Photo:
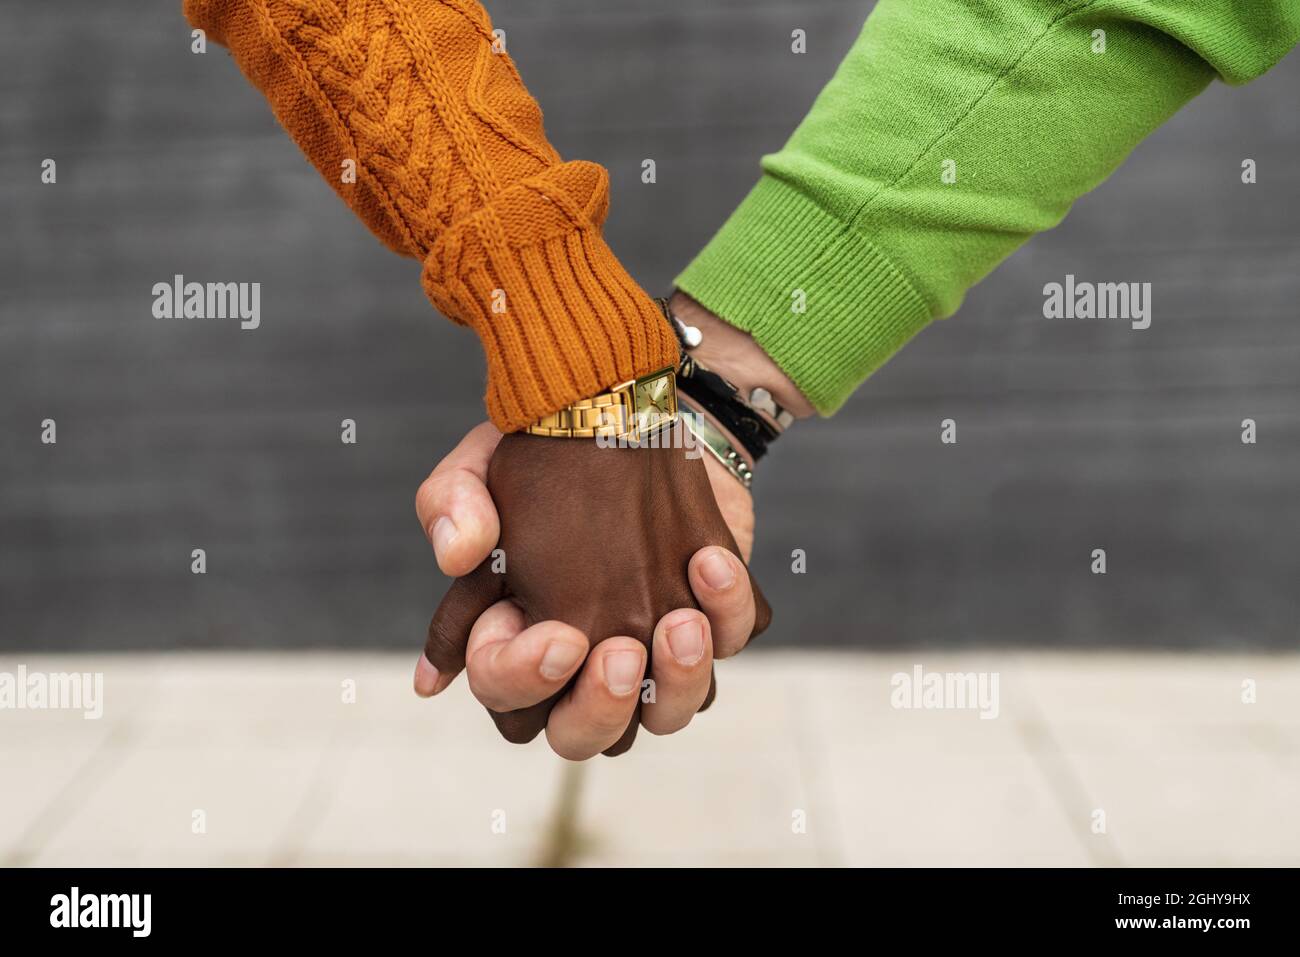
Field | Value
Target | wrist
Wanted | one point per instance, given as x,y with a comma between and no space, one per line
734,355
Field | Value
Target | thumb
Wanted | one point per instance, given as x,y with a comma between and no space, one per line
455,509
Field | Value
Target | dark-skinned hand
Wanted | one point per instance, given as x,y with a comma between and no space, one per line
605,551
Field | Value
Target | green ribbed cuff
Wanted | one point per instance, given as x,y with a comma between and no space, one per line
858,308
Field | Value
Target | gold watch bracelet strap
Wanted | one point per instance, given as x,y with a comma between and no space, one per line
606,414
630,411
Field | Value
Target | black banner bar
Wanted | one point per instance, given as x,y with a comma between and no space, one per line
332,906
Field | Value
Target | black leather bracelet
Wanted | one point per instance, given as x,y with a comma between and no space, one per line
715,395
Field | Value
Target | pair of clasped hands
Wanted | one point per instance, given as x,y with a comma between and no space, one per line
624,572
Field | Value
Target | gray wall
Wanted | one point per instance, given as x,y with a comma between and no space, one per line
180,435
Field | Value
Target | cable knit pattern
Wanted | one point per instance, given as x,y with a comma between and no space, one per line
452,167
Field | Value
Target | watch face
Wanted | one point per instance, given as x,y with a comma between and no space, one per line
655,402
655,398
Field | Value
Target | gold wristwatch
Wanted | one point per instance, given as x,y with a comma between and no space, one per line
630,411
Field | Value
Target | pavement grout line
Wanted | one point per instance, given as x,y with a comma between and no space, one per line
316,800
88,777
1067,786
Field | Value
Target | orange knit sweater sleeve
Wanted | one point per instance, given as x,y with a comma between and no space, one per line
450,165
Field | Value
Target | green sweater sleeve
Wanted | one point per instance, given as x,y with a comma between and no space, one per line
951,133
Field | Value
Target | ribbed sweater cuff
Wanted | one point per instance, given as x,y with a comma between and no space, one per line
858,308
558,315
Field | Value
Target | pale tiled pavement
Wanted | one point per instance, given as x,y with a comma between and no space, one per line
286,772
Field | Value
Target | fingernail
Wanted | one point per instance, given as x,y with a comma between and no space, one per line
426,678
686,641
444,533
559,659
717,571
622,671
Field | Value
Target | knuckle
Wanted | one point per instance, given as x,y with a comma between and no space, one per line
610,722
638,622
444,648
569,750
424,498
728,647
492,682
484,693
515,727
729,643
659,727
437,493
